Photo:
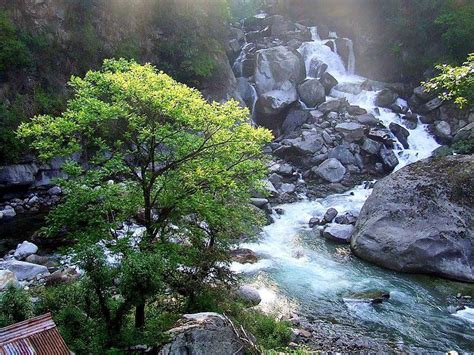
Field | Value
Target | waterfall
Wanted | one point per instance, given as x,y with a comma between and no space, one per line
351,60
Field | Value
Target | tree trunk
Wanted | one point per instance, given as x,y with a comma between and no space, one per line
140,316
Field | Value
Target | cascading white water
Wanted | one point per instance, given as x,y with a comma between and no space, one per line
351,60
298,267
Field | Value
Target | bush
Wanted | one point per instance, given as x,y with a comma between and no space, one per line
15,306
13,50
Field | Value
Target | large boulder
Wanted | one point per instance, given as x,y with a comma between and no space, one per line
401,133
421,219
352,131
294,119
328,81
385,98
330,170
312,92
339,233
203,333
25,249
249,295
23,270
279,70
18,175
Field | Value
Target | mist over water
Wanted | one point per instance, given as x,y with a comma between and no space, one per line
300,271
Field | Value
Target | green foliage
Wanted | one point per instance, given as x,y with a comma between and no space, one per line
455,83
457,23
465,146
15,306
241,9
13,49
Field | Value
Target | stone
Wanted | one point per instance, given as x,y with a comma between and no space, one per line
7,277
277,73
203,333
352,131
430,106
370,146
330,170
367,119
37,259
389,159
356,110
288,188
312,92
330,214
313,222
18,175
330,106
24,270
401,133
385,98
25,249
419,219
8,212
340,233
442,130
249,295
328,81
294,120
423,95
259,202
346,218
244,256
316,68
343,154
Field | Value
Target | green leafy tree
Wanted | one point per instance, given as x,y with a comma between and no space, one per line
152,149
455,82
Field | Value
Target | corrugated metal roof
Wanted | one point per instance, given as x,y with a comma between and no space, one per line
35,336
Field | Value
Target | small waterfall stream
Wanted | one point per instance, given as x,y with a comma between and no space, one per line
313,276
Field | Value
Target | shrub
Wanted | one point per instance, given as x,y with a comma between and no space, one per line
15,306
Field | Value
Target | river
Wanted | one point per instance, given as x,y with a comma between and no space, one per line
300,270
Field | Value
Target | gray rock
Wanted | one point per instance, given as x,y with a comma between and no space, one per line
277,73
23,270
203,333
18,175
367,119
343,154
8,212
421,219
330,106
331,170
330,214
294,120
259,202
370,146
313,222
312,92
55,190
340,233
288,188
37,259
389,159
443,131
328,81
423,95
401,133
7,277
25,249
244,256
430,105
352,131
385,98
249,295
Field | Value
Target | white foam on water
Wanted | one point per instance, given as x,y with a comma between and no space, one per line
466,314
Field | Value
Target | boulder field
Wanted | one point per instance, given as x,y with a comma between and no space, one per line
420,219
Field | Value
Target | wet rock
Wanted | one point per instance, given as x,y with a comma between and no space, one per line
203,333
331,106
373,297
356,111
313,222
401,133
346,218
330,214
385,98
273,102
328,81
244,256
330,170
340,233
312,92
343,154
381,136
389,159
24,270
420,219
249,295
352,131
317,68
7,277
25,249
